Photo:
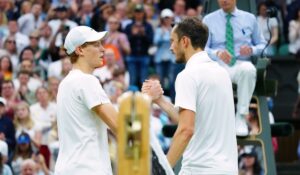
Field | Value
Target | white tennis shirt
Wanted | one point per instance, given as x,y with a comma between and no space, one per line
205,88
83,144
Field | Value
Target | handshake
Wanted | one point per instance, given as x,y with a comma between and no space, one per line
153,89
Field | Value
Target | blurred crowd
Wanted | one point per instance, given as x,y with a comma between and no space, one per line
33,62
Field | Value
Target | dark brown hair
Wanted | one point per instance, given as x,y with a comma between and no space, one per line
194,29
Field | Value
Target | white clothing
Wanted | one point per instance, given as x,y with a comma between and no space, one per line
262,23
160,154
294,36
103,73
83,142
33,84
27,23
205,88
21,41
44,119
243,74
55,69
55,24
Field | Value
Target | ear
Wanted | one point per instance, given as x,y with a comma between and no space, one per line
78,51
185,41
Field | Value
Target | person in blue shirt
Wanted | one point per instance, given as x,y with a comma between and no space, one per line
234,37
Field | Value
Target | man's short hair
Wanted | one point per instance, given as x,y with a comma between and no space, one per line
194,29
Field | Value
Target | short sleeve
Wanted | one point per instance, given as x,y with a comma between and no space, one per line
92,93
186,92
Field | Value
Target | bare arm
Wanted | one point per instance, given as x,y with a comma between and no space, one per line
108,114
154,90
274,38
168,108
182,135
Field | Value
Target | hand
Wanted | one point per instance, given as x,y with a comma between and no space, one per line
153,89
224,55
245,50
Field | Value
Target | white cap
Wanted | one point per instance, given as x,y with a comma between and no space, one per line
3,148
3,101
166,13
80,35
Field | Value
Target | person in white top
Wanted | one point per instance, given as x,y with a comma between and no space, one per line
84,110
204,106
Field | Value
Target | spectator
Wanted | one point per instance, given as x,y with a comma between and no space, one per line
45,36
62,20
164,60
85,13
24,123
179,10
4,168
232,42
9,93
44,115
28,167
100,16
105,73
24,92
31,21
6,68
7,129
34,80
10,47
294,35
53,83
140,35
122,14
23,151
249,164
265,24
21,40
55,68
117,39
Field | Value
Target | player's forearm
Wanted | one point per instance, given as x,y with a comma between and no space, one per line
168,108
180,142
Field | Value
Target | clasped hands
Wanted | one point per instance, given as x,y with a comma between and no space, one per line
153,89
225,56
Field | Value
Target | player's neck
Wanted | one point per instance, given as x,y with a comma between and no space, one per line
85,68
190,52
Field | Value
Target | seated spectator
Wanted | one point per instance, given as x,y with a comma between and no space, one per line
28,53
28,167
44,115
45,36
34,80
249,163
10,94
105,73
294,35
24,92
4,168
6,68
10,47
23,151
32,20
58,68
53,83
21,40
24,123
262,20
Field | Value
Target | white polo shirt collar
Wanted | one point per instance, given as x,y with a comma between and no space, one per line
198,58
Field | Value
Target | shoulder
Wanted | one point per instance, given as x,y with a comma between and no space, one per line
211,15
245,14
